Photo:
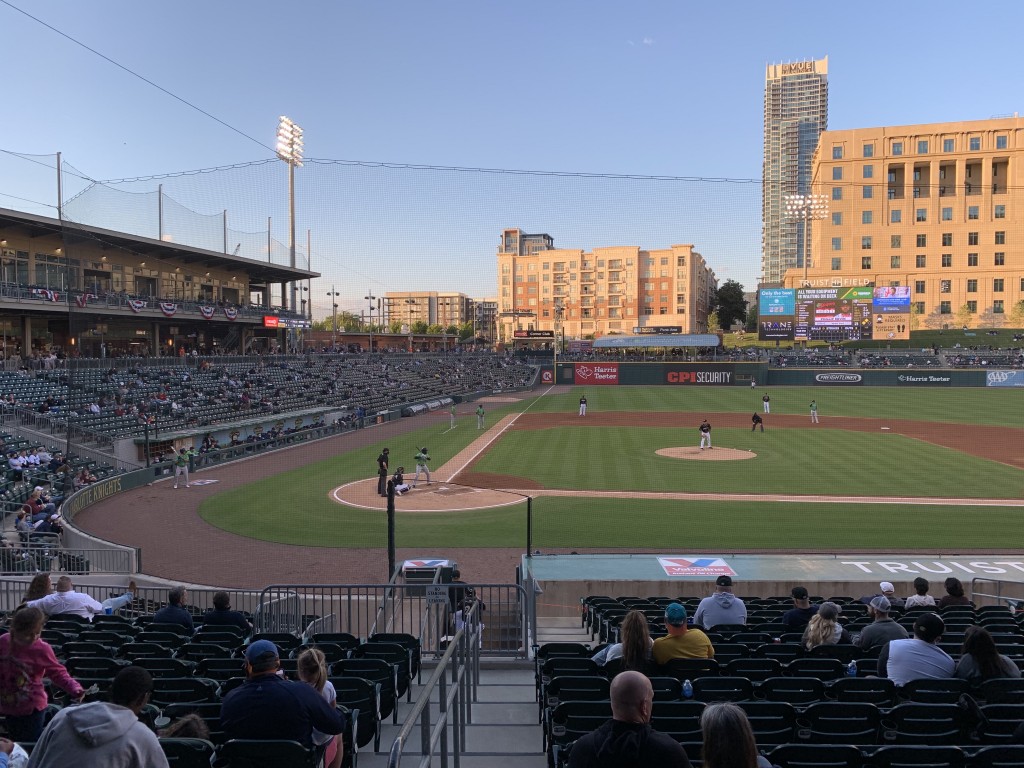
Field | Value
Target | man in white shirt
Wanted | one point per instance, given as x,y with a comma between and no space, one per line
66,600
919,657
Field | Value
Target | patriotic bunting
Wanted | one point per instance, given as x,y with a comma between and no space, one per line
230,313
137,305
168,308
206,312
83,298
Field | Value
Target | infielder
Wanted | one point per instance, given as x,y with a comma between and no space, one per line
480,417
705,434
767,403
583,405
181,465
814,412
422,460
451,416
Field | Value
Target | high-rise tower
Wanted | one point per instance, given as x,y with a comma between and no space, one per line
795,114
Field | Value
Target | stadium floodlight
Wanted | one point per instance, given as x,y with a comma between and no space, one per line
334,326
806,208
371,298
289,149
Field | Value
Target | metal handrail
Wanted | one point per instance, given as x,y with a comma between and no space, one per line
1013,598
455,705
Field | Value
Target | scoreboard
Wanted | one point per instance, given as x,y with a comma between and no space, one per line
834,314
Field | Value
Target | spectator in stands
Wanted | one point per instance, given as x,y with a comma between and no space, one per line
174,612
729,739
67,600
267,706
723,607
980,660
628,739
311,667
191,726
40,586
888,591
920,597
222,615
681,642
83,478
954,594
882,629
25,660
796,618
918,657
103,734
634,647
824,628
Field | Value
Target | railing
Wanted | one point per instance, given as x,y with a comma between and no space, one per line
460,663
40,557
998,591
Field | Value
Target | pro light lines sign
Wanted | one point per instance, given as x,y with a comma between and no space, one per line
695,566
589,373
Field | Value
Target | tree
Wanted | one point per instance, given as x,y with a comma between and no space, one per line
992,319
752,318
713,324
466,330
1017,315
731,305
915,316
963,316
935,319
420,326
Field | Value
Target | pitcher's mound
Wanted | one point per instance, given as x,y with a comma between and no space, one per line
708,454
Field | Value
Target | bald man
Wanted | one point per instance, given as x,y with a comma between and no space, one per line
628,739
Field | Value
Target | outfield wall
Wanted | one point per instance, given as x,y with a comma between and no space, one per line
595,374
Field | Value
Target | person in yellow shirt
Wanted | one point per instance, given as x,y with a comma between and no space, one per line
681,642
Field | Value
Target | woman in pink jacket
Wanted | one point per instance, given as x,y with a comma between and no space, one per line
24,661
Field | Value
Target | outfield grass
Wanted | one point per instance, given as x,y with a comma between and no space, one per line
294,508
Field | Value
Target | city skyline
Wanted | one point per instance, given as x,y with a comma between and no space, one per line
666,90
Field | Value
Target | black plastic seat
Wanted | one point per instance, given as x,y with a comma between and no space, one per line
361,696
879,691
188,753
934,690
909,756
835,722
795,690
816,756
772,722
690,669
709,689
265,753
921,724
678,719
754,669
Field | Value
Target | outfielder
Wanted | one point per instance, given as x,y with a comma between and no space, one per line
480,417
422,460
814,412
705,434
767,403
583,405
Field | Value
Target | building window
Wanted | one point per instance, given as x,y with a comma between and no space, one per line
895,241
921,214
1000,212
922,241
837,193
921,261
895,216
897,147
919,286
947,214
865,217
894,261
865,262
837,219
837,173
919,307
865,243
922,147
972,238
947,145
974,143
947,238
972,286
869,171
837,153
837,243
945,286
869,150
837,263
947,259
1000,238
972,306
917,192
1001,142
972,259
972,212
1000,259
997,307
869,192
945,308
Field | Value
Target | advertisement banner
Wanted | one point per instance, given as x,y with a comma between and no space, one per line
924,380
1004,378
597,373
547,376
838,378
692,376
695,565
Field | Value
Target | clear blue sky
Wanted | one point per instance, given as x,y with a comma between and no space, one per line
658,88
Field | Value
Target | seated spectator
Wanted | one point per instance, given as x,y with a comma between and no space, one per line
681,642
83,478
980,660
67,600
723,607
102,734
267,706
634,647
174,612
628,739
729,739
882,629
824,628
919,657
222,615
921,598
40,586
954,594
796,618
188,727
888,591
25,660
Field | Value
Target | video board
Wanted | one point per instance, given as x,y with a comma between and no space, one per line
834,314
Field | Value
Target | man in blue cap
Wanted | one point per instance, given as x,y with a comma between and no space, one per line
267,706
681,642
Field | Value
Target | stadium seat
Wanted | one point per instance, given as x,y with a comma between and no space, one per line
772,722
1003,756
265,753
709,689
816,756
913,723
834,722
689,669
754,669
879,691
572,719
821,668
678,719
362,697
1001,720
934,691
377,671
188,753
795,690
905,756
1002,690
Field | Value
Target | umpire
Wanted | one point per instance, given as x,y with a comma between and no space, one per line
382,473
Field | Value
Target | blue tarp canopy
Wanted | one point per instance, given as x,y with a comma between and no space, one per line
666,340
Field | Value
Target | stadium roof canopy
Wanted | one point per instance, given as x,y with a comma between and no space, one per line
659,340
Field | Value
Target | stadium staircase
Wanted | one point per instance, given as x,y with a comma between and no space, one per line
504,732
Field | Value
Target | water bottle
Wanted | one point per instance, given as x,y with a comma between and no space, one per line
851,669
687,689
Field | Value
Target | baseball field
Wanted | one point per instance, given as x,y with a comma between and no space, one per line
886,469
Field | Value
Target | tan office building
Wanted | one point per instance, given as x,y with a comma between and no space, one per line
443,308
937,207
610,290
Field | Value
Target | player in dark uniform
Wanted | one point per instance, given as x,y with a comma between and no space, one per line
705,434
382,473
583,405
757,421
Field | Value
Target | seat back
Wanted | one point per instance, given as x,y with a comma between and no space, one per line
816,756
187,753
266,753
835,722
908,756
879,691
709,689
771,721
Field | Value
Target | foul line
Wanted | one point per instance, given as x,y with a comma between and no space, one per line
496,435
